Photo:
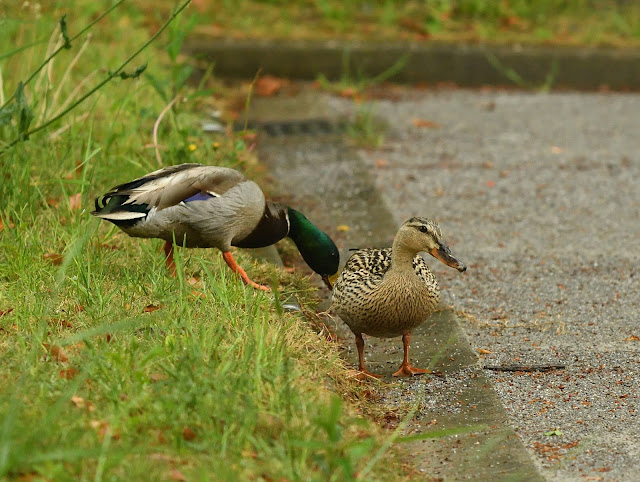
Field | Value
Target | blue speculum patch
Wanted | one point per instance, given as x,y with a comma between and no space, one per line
201,196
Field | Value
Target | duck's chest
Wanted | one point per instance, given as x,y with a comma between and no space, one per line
395,307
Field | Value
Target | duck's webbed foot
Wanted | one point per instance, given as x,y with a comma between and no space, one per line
362,373
235,267
406,370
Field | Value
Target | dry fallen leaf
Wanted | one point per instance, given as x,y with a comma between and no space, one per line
156,377
59,322
269,85
68,374
249,136
425,123
413,25
349,92
102,427
56,352
150,308
342,228
175,474
82,403
53,258
53,202
484,351
194,281
75,201
5,312
632,338
380,163
557,150
188,434
8,225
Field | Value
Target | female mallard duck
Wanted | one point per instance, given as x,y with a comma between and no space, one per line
213,207
388,292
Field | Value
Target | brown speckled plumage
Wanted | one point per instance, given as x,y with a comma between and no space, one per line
388,292
384,310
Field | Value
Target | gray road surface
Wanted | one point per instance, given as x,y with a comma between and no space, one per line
540,195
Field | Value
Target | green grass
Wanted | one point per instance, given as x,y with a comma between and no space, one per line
112,370
555,22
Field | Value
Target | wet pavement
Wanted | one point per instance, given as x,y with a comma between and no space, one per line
538,194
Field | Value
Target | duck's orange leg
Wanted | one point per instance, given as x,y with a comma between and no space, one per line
406,370
363,370
168,252
228,258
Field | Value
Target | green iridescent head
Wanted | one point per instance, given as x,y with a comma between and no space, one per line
316,247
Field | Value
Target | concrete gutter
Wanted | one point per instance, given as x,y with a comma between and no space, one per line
428,62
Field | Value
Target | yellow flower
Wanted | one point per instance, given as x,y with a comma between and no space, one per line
192,147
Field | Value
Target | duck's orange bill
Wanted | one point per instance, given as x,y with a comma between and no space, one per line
443,253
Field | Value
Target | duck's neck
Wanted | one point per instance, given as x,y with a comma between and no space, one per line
401,258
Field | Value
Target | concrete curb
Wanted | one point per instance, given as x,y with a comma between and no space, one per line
428,62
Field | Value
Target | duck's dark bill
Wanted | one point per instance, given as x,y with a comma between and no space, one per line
443,253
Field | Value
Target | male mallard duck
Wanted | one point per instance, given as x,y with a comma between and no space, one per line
388,292
213,207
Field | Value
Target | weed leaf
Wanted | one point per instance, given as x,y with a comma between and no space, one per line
125,75
25,113
6,114
63,30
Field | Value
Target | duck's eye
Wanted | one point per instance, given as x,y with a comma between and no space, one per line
424,229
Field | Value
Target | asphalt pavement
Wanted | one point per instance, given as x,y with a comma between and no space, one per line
539,194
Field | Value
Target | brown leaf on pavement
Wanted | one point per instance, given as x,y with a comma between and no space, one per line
349,92
484,351
425,123
380,163
632,338
269,85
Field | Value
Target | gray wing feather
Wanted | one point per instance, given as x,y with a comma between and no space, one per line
165,189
